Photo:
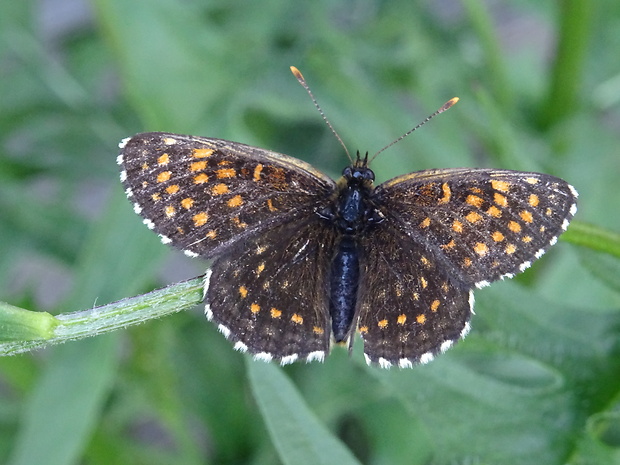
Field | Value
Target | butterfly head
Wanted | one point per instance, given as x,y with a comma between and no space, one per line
358,174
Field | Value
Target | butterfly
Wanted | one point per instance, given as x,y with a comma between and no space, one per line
300,261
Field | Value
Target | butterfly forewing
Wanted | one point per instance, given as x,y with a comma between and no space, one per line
478,225
203,194
269,295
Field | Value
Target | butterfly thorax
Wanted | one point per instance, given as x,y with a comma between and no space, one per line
351,210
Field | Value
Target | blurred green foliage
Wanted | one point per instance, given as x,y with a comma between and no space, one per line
537,380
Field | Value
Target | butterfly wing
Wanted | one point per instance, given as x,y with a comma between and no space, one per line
481,225
410,307
269,294
202,195
446,232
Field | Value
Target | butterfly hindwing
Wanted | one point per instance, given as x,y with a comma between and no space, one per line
410,308
269,295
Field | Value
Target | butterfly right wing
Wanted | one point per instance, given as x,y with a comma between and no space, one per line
201,194
480,224
410,307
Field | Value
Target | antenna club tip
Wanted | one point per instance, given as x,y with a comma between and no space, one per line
448,104
297,73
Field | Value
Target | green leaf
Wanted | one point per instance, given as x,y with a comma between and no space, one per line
298,435
65,406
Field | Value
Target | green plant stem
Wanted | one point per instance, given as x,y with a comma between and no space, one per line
43,329
492,52
593,237
566,75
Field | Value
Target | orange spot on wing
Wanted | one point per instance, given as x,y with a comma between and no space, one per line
297,319
202,153
526,216
198,165
239,223
494,211
200,219
225,173
473,217
260,268
173,189
257,172
163,159
402,318
447,193
502,186
164,176
236,201
201,178
449,245
481,248
382,324
474,201
187,203
500,200
219,189
497,236
514,226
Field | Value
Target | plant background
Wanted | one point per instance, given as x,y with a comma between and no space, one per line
537,380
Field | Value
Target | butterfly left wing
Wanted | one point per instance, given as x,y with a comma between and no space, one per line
269,295
202,194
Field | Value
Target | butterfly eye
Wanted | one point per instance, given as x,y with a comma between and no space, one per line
368,174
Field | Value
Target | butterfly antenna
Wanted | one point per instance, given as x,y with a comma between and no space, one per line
302,81
443,108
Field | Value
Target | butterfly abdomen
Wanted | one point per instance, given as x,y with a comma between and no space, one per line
344,282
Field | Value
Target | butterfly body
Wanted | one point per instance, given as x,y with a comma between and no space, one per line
351,214
300,261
